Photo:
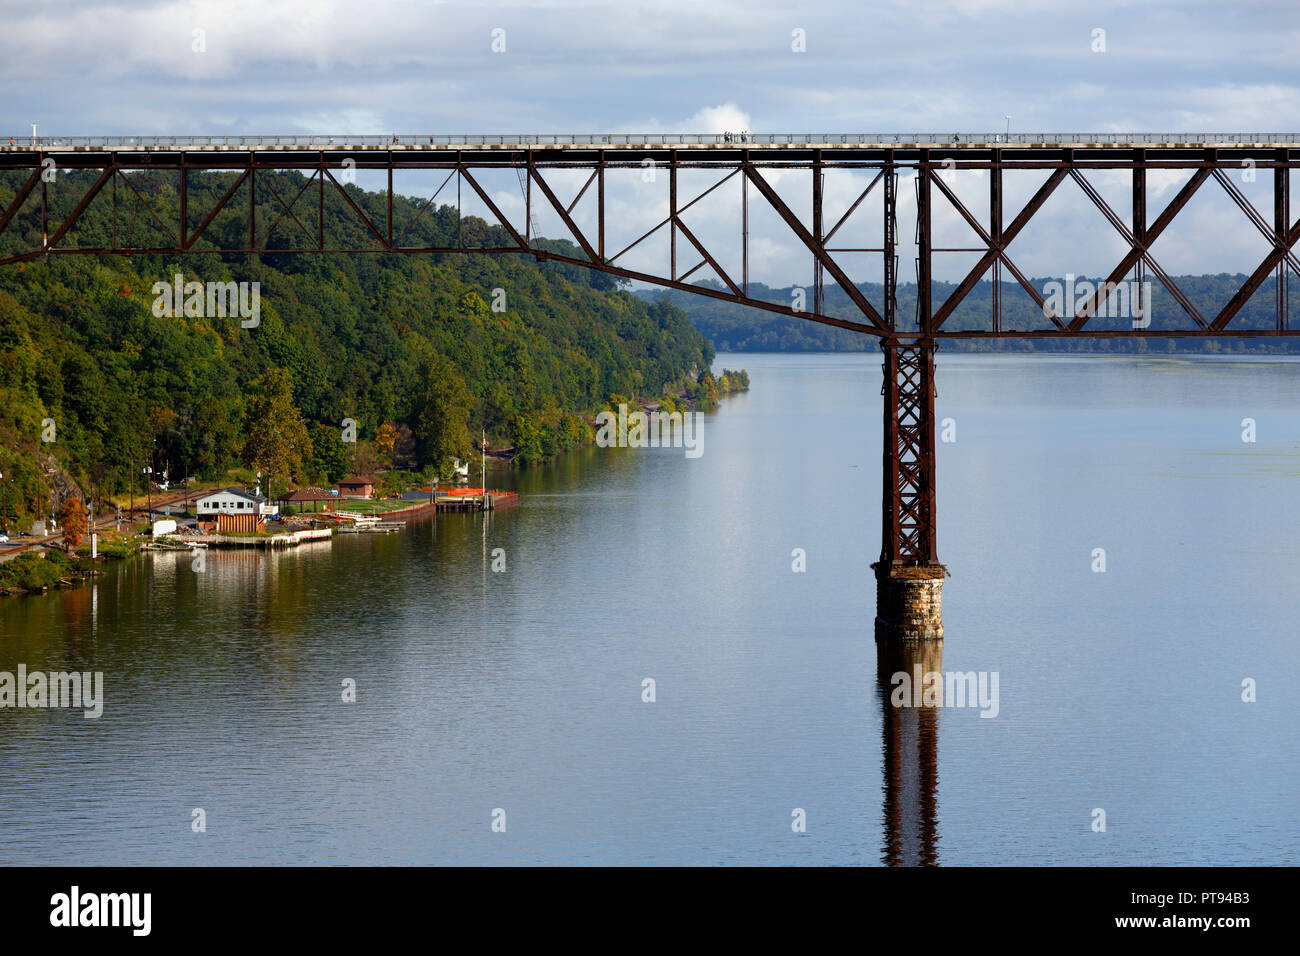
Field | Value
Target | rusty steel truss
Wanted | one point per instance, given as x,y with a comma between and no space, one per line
908,344
908,526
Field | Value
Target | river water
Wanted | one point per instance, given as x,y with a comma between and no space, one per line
521,690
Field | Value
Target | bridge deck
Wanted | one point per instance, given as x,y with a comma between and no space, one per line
641,141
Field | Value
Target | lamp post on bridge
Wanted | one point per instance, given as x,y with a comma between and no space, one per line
147,470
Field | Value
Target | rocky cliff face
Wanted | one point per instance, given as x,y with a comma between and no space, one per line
60,484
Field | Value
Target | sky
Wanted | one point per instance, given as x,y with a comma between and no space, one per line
382,66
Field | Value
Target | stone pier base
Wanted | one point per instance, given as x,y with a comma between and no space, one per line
909,604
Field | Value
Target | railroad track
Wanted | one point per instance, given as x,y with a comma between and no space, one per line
163,500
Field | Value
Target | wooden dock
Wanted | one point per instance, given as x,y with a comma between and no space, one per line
375,527
473,499
288,539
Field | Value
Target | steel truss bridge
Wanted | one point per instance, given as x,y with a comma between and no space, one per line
909,549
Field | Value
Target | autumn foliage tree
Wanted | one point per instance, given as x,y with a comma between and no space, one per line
73,518
386,441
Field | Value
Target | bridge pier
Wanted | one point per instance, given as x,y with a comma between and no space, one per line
909,577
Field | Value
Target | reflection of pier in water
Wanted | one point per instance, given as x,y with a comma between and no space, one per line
910,740
227,573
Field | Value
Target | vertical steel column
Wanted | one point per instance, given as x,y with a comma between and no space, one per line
1139,232
890,234
600,207
45,224
921,398
252,202
995,233
909,538
672,214
320,203
1281,224
184,233
889,455
817,230
744,223
924,311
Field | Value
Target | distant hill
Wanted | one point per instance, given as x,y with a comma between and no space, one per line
737,328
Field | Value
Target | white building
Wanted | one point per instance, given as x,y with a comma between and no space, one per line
234,501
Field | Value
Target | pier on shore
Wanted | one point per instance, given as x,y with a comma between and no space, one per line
288,539
475,499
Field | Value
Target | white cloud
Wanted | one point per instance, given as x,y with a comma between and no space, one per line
717,119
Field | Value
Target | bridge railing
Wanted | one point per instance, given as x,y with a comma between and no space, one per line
645,139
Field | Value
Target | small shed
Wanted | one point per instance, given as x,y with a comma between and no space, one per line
246,523
360,486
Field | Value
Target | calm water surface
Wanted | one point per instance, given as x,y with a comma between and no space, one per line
522,690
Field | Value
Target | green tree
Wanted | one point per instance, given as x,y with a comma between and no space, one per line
526,432
706,390
216,438
442,409
329,453
277,439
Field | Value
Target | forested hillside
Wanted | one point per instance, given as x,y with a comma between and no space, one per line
408,346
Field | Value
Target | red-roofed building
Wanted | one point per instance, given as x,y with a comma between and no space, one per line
361,486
